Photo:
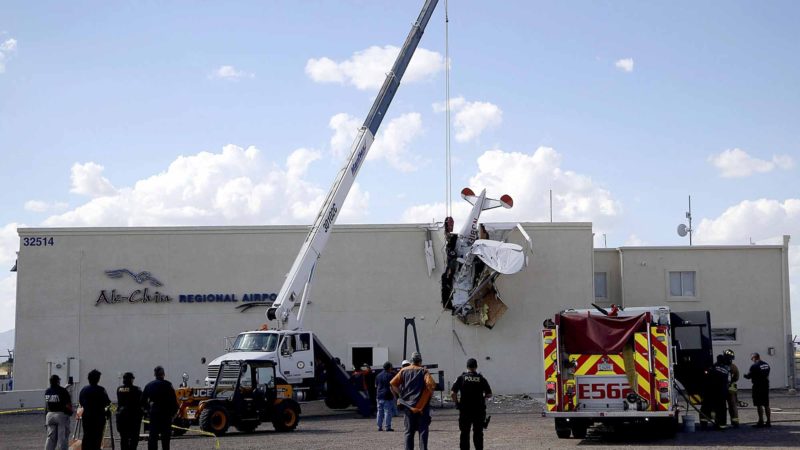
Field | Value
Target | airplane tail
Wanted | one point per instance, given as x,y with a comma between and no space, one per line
488,203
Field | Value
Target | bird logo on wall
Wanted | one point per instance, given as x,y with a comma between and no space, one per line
140,277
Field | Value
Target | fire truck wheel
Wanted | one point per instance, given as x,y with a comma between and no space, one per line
563,430
214,419
287,415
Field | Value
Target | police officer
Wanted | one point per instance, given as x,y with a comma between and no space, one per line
733,395
716,391
161,403
129,412
59,407
474,391
94,401
759,374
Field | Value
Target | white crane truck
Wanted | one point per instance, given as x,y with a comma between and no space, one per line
298,353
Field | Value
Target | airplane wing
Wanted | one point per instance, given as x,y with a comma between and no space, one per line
503,257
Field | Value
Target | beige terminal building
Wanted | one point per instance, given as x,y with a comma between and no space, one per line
79,306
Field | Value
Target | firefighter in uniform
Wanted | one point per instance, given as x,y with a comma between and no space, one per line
733,394
474,390
716,391
129,412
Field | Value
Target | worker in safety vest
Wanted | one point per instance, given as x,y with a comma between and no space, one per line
733,394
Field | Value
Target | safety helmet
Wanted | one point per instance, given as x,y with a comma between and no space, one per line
729,352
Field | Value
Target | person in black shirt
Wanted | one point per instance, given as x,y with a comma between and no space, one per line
129,412
716,393
159,400
759,375
387,407
474,391
94,400
59,407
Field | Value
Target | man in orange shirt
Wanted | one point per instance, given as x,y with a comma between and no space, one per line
414,387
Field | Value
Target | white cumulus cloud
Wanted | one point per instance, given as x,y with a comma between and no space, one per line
366,69
7,48
230,73
528,178
392,144
765,221
345,129
471,118
625,65
233,187
88,179
40,206
736,163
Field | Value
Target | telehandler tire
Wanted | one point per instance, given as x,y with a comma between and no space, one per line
287,416
215,419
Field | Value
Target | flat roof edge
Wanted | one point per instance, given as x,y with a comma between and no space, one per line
268,228
705,247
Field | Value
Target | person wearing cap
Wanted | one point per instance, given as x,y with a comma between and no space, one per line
474,390
129,412
405,363
759,375
58,405
94,401
385,397
414,385
161,404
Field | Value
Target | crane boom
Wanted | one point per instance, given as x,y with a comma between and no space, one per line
297,285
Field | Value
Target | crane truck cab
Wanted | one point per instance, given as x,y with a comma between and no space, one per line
292,353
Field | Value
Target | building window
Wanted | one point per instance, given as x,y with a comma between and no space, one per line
600,285
723,334
682,284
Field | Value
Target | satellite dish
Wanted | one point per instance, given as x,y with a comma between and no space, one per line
682,230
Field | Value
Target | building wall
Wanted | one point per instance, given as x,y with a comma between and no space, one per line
607,261
744,287
369,278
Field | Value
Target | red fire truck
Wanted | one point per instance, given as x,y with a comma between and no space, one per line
620,366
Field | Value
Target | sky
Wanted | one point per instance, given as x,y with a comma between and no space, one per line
241,113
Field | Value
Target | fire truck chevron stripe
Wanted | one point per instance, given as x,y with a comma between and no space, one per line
642,363
661,363
549,352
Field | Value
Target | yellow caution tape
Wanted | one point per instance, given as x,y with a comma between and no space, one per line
17,411
204,433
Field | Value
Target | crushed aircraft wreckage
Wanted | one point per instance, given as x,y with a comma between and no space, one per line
475,258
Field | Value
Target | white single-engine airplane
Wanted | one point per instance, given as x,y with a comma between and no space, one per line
467,283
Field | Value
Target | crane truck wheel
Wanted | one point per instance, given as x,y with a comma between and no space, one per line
287,416
214,419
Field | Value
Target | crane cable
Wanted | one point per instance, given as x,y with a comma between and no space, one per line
448,173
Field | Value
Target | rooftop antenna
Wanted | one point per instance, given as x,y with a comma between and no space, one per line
683,230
